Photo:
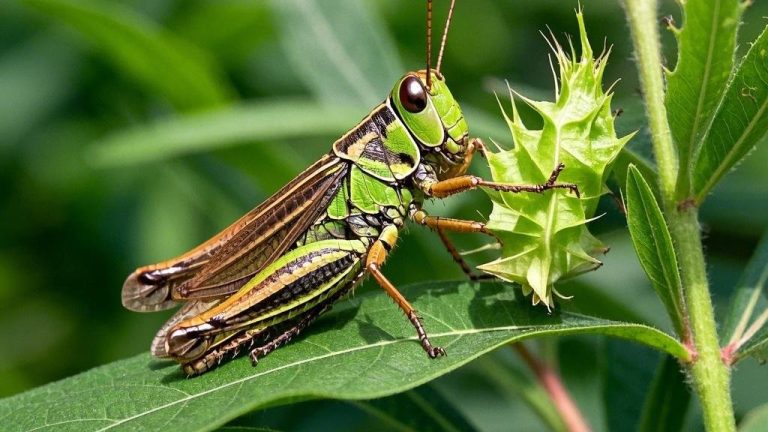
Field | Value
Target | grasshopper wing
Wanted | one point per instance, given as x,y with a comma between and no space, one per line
221,265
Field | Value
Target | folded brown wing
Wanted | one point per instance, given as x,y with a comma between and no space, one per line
221,265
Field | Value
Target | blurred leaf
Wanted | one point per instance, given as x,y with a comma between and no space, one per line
755,420
228,29
576,358
626,158
544,235
30,91
163,63
743,332
628,373
668,399
706,50
375,343
183,135
341,50
420,409
653,244
740,123
514,384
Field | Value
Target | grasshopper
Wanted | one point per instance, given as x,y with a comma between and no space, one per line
259,282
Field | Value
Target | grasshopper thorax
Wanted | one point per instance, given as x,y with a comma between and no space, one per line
435,120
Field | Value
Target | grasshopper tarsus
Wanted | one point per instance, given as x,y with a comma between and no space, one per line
435,352
432,350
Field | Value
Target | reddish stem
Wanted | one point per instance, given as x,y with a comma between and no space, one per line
553,384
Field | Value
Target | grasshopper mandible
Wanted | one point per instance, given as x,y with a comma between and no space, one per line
263,279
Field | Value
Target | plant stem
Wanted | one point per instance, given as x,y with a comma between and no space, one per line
710,375
645,35
552,383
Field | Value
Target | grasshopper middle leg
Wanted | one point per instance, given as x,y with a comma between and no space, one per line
440,225
376,257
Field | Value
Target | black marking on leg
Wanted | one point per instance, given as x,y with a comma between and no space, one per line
432,351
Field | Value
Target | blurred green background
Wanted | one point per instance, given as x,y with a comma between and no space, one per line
132,130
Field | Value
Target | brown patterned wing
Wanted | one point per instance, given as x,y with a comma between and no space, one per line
222,264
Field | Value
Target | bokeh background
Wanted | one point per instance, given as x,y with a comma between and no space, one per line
132,130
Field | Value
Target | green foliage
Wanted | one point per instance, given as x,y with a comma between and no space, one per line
744,331
354,62
211,130
705,55
653,244
740,122
544,236
368,334
755,420
667,401
131,131
163,63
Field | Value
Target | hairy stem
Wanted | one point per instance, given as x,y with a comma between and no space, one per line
552,383
710,375
645,35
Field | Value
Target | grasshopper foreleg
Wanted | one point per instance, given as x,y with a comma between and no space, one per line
376,257
452,186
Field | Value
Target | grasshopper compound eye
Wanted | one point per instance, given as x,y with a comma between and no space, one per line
412,95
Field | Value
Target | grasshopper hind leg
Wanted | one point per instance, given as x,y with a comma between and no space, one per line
260,342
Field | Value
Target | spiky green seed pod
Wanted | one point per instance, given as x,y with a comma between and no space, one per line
544,236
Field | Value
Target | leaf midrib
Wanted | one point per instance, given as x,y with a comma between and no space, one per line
461,332
704,81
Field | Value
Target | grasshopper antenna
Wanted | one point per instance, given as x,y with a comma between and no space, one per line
445,36
429,44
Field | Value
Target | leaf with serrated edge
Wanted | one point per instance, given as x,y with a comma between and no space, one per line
653,244
706,49
740,123
544,237
364,349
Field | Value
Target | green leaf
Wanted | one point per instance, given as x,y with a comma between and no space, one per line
744,330
420,409
740,123
211,130
341,50
667,402
653,244
544,236
514,384
626,158
139,48
364,349
755,420
628,372
705,57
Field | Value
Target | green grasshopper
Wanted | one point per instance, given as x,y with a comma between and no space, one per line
263,279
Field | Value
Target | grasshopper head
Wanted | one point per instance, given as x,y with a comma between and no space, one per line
434,118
